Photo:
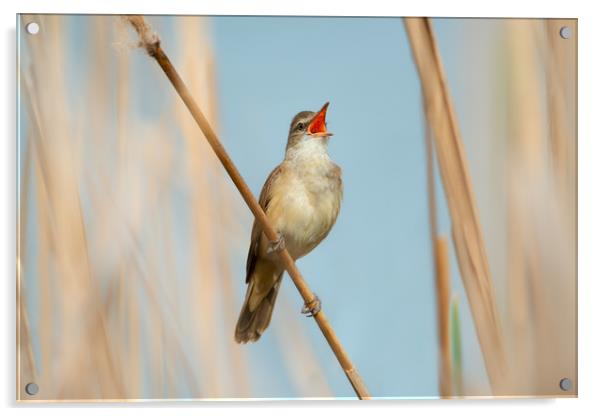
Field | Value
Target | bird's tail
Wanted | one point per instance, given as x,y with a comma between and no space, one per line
257,310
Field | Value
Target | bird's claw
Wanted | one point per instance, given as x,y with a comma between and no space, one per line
313,307
277,245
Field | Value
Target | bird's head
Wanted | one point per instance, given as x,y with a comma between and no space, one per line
308,125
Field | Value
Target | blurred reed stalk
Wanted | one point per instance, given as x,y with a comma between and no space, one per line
466,229
65,237
26,369
541,215
150,41
559,58
203,169
443,309
441,273
112,314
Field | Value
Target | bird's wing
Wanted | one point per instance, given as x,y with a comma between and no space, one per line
264,200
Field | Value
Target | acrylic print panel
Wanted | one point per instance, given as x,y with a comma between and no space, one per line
447,269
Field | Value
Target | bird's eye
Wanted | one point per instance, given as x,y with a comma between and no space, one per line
300,126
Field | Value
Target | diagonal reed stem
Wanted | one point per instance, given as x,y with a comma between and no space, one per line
150,41
468,238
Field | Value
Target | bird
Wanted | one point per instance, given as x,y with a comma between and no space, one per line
302,199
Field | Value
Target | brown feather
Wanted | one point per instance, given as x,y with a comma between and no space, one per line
264,200
253,322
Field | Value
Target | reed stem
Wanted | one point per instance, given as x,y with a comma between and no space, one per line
441,271
468,239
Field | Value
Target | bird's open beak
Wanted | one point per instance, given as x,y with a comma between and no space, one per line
317,126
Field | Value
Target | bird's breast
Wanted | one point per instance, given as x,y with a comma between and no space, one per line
305,206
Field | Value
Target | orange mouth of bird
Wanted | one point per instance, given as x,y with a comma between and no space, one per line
317,126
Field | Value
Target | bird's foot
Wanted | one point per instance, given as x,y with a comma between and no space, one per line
313,307
277,245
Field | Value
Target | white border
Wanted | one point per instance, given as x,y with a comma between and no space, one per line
590,207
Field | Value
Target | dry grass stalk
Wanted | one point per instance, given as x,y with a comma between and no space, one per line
59,209
149,40
560,57
441,272
443,309
78,336
26,368
526,161
541,205
130,360
200,165
467,234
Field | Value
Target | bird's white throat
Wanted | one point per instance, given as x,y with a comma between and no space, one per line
310,150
